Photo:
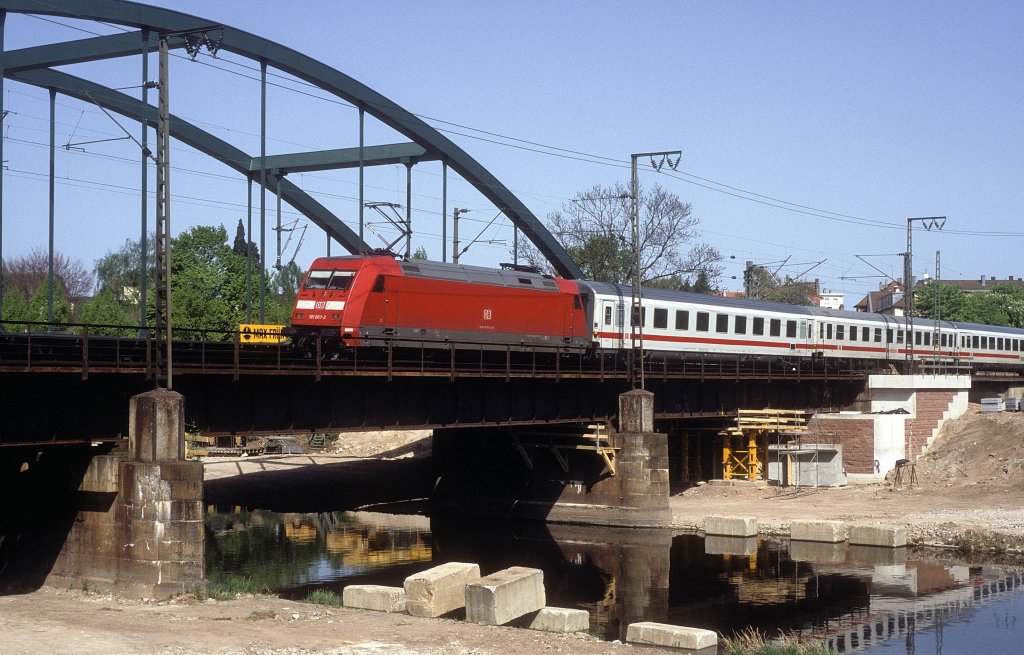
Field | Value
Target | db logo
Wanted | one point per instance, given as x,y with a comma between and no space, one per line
487,314
320,304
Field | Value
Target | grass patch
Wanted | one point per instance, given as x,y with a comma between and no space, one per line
230,588
754,642
257,615
324,597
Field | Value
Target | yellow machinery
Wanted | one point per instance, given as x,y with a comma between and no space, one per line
745,445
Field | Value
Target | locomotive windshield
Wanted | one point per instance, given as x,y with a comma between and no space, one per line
335,280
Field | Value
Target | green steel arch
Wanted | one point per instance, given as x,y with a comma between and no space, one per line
154,19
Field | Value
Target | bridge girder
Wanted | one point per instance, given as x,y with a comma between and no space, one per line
248,45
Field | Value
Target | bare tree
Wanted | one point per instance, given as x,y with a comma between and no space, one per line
28,272
595,228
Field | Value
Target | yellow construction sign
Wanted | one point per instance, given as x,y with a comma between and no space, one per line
256,333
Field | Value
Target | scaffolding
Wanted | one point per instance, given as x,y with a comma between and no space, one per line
745,444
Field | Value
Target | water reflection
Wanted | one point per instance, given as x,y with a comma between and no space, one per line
851,598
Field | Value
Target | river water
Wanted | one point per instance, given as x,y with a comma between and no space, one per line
855,599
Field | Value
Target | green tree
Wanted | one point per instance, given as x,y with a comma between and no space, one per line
285,282
103,309
15,310
955,304
1003,305
239,245
38,305
421,253
208,286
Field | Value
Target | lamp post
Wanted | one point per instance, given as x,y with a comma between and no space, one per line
929,222
636,351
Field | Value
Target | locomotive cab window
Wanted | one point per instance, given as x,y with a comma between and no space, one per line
682,320
317,280
660,318
703,321
740,325
722,323
341,280
758,325
775,327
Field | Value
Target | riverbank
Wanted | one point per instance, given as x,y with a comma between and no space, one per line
966,502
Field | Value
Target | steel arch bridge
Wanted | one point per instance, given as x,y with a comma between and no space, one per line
36,66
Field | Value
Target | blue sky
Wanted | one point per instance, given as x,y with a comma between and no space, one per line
859,114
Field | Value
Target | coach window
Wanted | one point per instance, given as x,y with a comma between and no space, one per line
703,320
740,325
682,320
878,335
888,335
927,338
758,325
865,334
1016,345
853,333
661,318
999,344
608,315
828,331
791,329
974,342
775,327
840,332
722,323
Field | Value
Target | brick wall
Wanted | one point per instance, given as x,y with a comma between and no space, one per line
857,436
929,409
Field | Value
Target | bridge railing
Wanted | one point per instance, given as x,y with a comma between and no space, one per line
92,348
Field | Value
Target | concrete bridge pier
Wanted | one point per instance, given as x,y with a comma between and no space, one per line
558,476
146,540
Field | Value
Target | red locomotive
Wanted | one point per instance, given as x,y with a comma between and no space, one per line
360,299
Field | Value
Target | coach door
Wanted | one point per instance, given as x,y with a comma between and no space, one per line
609,323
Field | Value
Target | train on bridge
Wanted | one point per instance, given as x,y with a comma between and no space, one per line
352,301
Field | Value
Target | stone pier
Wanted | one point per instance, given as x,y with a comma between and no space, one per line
499,473
147,540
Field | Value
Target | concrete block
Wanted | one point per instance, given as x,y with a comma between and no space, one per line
731,526
888,536
671,636
810,530
818,552
560,619
374,597
718,545
439,590
504,596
